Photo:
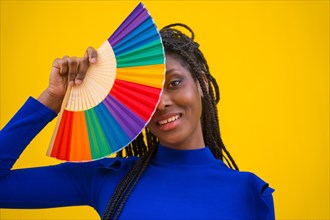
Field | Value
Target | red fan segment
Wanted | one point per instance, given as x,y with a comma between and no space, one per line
62,141
127,93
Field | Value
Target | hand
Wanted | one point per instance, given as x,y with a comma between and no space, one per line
68,70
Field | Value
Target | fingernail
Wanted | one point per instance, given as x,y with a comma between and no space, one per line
78,81
93,60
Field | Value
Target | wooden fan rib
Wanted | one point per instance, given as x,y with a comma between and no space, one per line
98,90
88,94
84,99
97,83
101,80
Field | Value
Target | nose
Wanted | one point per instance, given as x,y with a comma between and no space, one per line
164,101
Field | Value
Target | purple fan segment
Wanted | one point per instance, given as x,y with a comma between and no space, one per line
138,16
129,121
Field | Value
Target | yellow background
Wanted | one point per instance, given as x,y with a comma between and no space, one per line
271,59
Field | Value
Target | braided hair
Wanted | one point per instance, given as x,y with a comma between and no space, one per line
145,145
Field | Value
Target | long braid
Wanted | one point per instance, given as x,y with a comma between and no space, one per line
145,145
128,182
134,182
180,44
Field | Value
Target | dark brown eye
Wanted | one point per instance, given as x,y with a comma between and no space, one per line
174,83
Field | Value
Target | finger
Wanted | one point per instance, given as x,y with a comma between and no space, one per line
73,69
64,68
82,69
91,53
61,65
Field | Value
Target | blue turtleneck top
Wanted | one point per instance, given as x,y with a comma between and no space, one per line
177,184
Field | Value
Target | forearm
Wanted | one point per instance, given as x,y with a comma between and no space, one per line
20,130
51,101
38,187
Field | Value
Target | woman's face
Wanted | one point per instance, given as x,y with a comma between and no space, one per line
176,121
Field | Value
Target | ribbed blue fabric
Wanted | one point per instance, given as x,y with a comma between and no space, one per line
178,184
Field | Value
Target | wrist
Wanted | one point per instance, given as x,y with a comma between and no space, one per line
50,100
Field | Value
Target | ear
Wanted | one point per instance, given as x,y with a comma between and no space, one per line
205,83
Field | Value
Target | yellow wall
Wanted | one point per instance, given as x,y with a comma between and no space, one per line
271,59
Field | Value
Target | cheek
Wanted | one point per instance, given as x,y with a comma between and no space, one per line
189,99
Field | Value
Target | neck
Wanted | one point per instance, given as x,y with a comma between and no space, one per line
184,145
184,157
192,142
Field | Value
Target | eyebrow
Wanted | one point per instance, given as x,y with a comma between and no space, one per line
169,71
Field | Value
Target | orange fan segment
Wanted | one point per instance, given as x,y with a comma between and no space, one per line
80,147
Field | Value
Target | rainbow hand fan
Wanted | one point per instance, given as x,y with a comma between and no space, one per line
118,95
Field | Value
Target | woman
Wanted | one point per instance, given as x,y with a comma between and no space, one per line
178,173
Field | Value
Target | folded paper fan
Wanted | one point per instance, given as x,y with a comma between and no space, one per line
118,95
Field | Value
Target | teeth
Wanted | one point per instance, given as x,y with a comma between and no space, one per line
169,120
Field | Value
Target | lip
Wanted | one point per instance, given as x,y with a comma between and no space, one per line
165,126
167,116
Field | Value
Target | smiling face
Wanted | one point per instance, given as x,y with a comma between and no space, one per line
176,121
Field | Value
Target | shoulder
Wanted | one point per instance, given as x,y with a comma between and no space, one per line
256,184
244,180
255,191
117,163
249,179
